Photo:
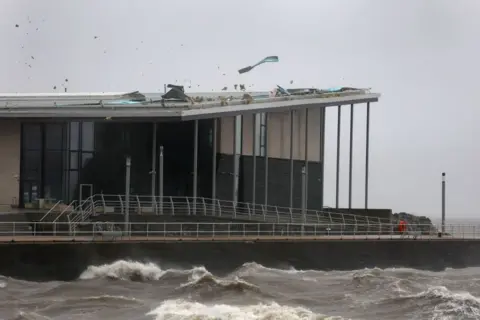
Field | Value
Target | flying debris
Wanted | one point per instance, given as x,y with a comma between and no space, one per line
291,81
95,37
33,58
16,26
54,87
224,88
235,86
267,59
66,80
242,87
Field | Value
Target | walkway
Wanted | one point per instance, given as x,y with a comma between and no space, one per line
142,239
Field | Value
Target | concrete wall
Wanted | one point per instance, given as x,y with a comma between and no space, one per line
278,129
68,260
9,160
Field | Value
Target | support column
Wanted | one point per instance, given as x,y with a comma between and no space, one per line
160,178
154,163
443,201
367,150
350,161
128,164
235,161
337,186
322,155
214,160
265,130
291,158
306,159
195,167
254,161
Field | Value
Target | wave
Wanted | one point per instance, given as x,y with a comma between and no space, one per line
187,310
447,304
124,270
202,277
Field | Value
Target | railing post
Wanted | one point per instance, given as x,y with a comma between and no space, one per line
229,229
220,209
139,205
188,205
258,229
173,206
213,230
148,229
197,230
204,207
103,202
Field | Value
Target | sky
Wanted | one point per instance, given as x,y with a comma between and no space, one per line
421,55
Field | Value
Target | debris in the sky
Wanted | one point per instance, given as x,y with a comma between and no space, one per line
16,26
66,80
242,87
95,37
33,58
54,87
235,86
291,81
224,88
181,45
223,74
267,59
36,29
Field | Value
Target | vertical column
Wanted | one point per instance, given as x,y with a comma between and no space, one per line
195,167
254,161
128,164
306,158
235,161
367,150
160,178
291,158
154,163
337,186
322,154
350,161
214,159
443,201
265,130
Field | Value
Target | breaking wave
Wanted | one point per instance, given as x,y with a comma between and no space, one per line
200,277
186,310
125,270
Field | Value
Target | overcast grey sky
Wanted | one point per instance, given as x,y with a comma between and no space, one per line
421,55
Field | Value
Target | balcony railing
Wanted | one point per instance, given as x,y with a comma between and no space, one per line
155,231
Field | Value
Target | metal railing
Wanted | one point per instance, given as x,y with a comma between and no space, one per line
189,206
51,210
91,231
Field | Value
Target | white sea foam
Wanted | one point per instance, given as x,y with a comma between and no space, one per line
124,270
450,305
186,310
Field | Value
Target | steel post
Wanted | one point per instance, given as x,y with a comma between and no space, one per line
235,161
154,163
443,201
367,150
350,161
195,166
306,158
160,178
337,185
214,159
291,158
254,160
128,164
265,130
322,155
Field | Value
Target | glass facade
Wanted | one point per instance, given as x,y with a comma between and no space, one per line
58,159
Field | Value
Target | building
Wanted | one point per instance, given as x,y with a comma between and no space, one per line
70,146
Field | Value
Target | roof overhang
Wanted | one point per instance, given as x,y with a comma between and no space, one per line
135,106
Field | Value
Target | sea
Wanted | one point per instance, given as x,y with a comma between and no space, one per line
144,290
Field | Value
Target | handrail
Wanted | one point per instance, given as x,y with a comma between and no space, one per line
72,204
51,209
169,205
156,231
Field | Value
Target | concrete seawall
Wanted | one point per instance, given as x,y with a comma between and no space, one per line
66,261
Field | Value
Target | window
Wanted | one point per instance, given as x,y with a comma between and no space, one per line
88,136
32,136
74,135
54,136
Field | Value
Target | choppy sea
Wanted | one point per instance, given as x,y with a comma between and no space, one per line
145,290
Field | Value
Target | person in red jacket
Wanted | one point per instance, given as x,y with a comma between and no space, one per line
402,227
